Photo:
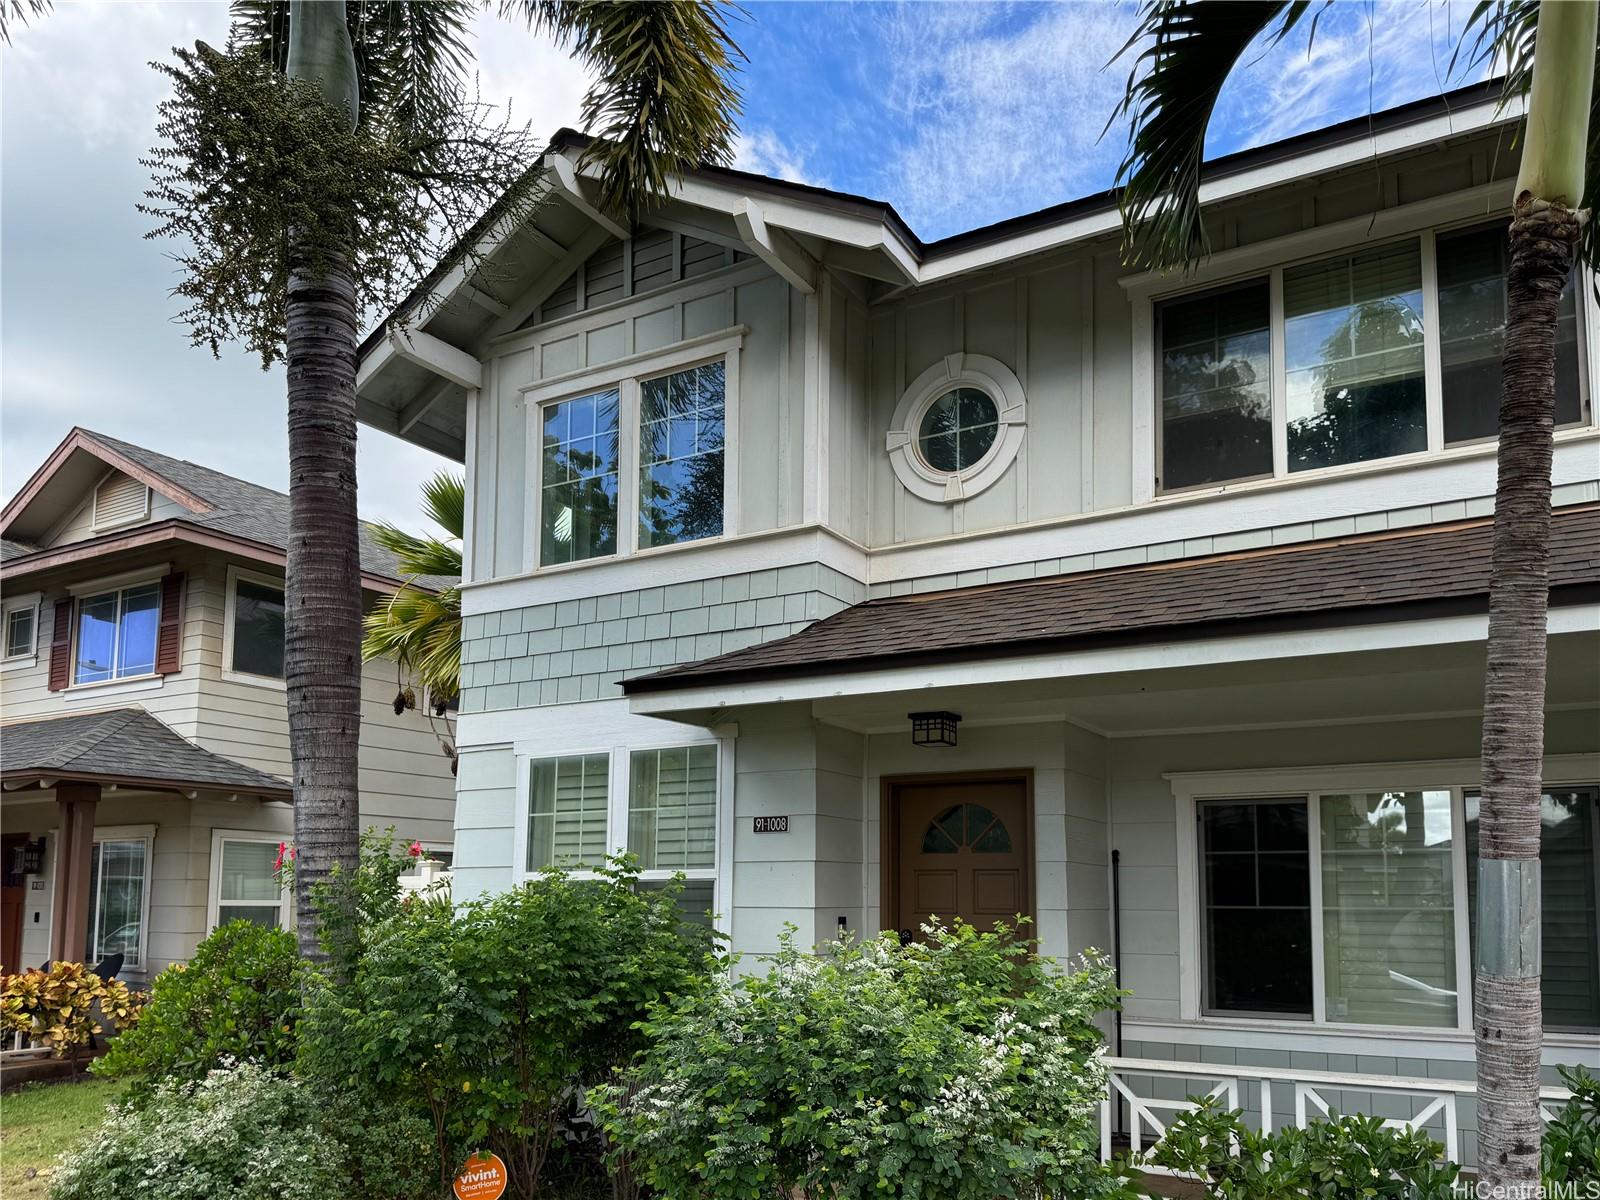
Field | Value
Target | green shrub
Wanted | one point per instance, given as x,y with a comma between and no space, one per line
351,907
490,1019
244,1133
965,1068
1343,1158
238,998
1572,1137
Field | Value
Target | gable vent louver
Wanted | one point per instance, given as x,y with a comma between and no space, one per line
118,500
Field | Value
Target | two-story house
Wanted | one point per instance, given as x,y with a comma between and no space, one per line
865,580
144,754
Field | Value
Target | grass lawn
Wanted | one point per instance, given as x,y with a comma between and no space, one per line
40,1121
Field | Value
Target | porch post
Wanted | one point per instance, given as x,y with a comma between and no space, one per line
69,911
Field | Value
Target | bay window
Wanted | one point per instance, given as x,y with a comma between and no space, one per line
1351,358
116,635
1356,906
635,463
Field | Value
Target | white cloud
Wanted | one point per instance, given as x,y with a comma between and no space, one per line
1005,106
543,85
763,152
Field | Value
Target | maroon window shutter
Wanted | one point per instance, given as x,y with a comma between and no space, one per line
61,646
169,638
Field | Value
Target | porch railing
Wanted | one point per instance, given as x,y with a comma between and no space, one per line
1432,1104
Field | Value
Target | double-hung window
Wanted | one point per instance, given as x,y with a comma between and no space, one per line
244,882
117,634
21,627
634,465
659,805
1357,907
119,884
1351,358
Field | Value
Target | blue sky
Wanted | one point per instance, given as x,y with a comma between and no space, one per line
957,112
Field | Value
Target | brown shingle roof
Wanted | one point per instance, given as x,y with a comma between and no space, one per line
1326,582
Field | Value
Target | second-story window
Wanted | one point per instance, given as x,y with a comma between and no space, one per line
1327,363
681,420
257,628
117,634
578,478
20,624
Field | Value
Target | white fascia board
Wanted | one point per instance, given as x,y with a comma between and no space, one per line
370,367
1477,117
774,247
436,355
1158,655
564,178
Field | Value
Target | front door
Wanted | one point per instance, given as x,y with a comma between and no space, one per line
12,902
963,850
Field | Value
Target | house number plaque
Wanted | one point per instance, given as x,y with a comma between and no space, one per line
771,824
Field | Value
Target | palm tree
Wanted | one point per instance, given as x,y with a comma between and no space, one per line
359,106
419,626
1186,51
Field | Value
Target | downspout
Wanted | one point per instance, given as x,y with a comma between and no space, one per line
1116,965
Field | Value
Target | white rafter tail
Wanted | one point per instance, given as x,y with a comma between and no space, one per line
564,176
436,355
774,247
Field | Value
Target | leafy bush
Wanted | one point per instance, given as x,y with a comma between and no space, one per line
965,1068
352,907
238,998
1572,1137
244,1133
63,1007
492,1018
1344,1158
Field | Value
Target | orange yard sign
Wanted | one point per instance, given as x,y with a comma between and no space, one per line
483,1178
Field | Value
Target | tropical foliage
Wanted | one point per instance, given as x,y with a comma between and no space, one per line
237,999
65,1007
420,625
961,1067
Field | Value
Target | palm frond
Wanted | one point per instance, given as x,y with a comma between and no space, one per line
422,632
444,499
411,55
19,12
418,554
1190,49
663,99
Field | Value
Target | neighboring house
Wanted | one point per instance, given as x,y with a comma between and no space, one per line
144,753
1200,563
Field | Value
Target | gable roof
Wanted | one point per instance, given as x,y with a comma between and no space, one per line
211,500
125,746
1365,577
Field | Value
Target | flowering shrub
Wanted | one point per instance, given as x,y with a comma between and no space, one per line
1346,1156
491,1018
961,1069
1571,1146
244,1133
237,998
63,1007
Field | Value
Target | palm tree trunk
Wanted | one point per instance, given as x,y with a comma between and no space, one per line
322,639
1507,1015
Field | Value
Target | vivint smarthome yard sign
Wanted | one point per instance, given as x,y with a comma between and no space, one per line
483,1178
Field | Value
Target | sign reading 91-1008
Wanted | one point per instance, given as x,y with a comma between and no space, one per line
771,824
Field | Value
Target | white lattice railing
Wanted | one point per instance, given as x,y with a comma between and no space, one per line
1433,1103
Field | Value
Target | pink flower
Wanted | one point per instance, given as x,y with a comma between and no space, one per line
415,849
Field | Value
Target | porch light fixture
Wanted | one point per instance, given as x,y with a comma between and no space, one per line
934,728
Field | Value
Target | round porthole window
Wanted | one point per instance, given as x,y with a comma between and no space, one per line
958,428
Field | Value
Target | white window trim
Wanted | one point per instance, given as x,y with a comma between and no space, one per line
620,760
625,376
1456,775
13,604
229,612
1420,221
145,681
214,888
987,375
132,833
